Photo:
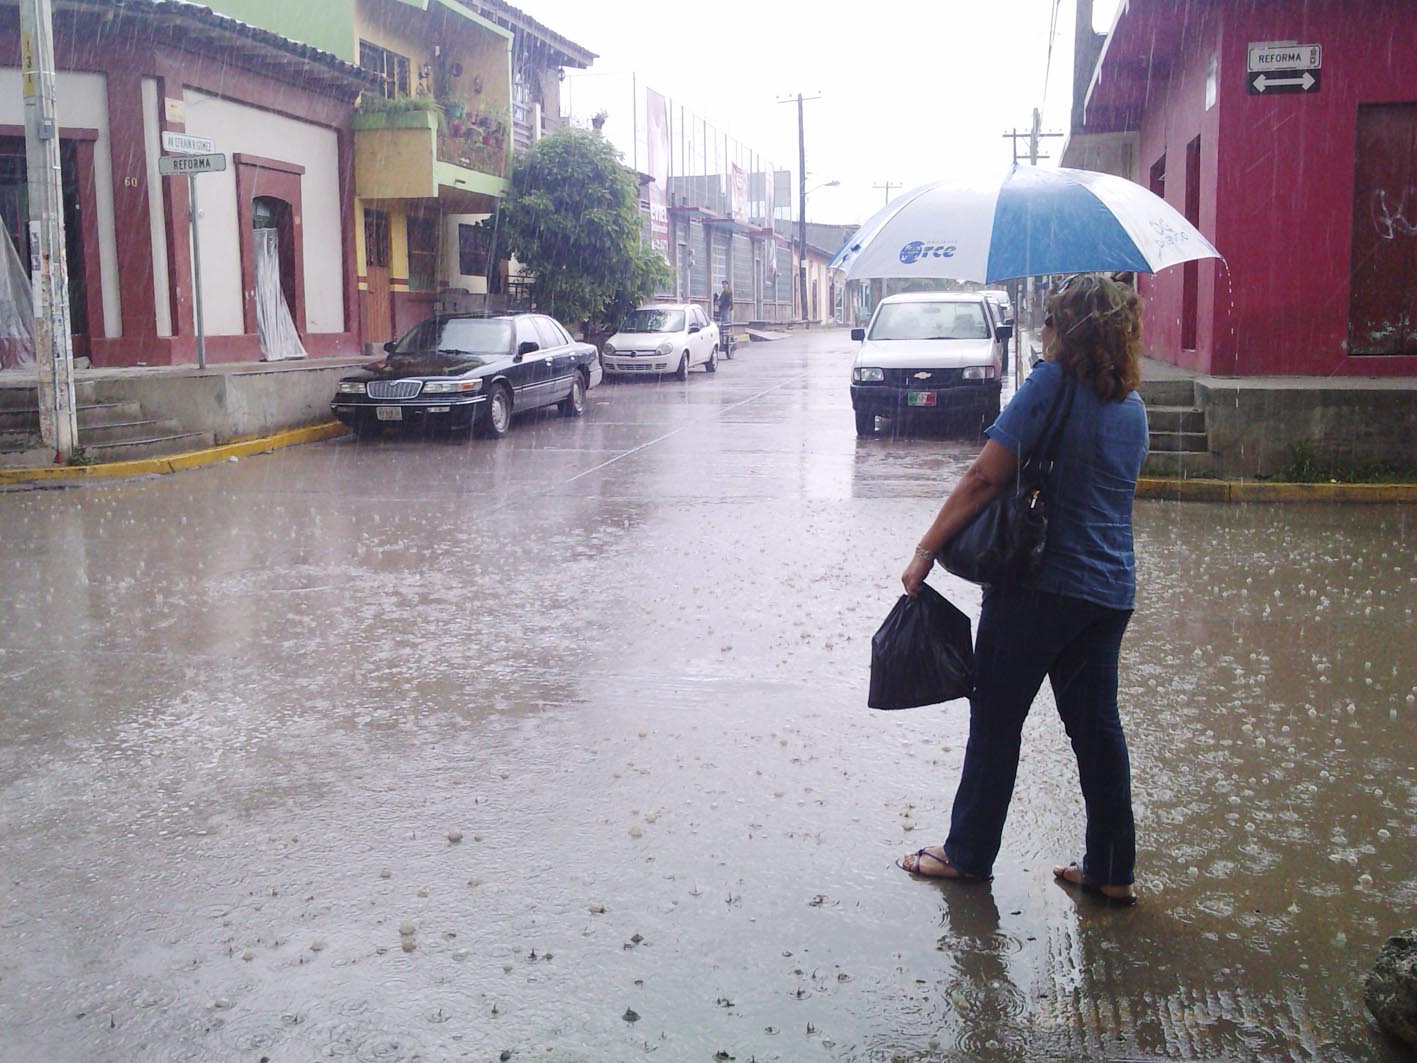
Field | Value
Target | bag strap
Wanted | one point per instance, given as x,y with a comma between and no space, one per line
1052,426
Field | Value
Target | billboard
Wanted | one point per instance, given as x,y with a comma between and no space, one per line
738,193
657,159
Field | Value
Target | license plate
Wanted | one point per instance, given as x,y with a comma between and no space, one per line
389,413
920,398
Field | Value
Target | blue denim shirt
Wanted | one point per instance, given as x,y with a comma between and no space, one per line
1090,489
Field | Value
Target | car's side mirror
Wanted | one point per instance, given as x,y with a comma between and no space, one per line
1003,332
858,334
695,328
1008,321
527,347
390,346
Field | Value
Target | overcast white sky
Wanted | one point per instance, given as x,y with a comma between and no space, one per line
909,88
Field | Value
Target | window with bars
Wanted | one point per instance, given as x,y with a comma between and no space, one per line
390,65
376,239
473,243
422,254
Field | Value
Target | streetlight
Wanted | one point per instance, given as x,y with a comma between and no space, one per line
802,239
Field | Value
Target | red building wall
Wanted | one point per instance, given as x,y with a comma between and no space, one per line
1276,182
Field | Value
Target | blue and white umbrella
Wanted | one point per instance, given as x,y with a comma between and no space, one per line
1032,223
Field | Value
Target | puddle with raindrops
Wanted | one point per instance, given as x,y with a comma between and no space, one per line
557,748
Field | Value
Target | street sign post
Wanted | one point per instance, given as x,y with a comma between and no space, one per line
190,166
1275,67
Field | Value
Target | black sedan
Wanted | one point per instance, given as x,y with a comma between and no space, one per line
470,373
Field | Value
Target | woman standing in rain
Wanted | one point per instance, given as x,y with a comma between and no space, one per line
1066,621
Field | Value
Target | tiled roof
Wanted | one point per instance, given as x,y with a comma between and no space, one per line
200,26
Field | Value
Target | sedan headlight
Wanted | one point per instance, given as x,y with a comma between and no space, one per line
665,348
352,387
609,349
868,375
447,387
979,372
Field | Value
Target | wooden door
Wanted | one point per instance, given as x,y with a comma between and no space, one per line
1382,309
378,316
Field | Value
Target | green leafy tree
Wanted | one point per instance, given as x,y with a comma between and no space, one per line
572,220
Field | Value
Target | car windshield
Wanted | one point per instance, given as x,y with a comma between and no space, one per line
930,321
650,320
458,335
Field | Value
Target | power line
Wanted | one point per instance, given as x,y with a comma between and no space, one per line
888,185
1052,36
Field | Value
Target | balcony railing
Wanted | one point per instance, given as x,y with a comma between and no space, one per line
475,141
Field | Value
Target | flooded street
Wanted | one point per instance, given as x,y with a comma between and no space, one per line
556,748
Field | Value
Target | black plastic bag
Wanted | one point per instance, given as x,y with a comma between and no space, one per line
922,654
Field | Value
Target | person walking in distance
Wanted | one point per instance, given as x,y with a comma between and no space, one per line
1066,621
723,305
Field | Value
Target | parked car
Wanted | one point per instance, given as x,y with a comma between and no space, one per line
1003,313
470,373
1000,299
663,338
936,354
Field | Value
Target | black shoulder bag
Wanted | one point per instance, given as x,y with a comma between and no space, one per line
1005,539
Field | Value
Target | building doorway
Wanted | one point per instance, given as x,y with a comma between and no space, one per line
378,322
15,216
273,262
1382,313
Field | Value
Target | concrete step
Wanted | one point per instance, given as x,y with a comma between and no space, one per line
1180,465
1175,419
1168,392
13,441
17,395
153,447
88,416
1180,443
99,414
19,419
122,431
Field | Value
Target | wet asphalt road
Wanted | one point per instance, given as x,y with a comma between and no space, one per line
245,710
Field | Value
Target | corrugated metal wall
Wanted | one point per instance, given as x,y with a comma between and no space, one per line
742,278
698,248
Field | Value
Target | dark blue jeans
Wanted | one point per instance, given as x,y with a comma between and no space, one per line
1025,635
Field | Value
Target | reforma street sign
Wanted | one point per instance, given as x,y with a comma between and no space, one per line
1268,57
170,165
186,144
1275,67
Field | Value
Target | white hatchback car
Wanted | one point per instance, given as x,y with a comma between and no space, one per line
937,354
663,338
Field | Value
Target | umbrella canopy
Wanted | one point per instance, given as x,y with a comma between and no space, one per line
1031,223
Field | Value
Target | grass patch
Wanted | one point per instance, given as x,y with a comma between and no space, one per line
1305,467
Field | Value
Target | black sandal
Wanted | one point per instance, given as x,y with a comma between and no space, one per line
958,876
1097,889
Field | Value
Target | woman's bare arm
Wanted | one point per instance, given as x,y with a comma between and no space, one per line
986,476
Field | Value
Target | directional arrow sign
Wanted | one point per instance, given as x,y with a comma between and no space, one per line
168,165
1274,82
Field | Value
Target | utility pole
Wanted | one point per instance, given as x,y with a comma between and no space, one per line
1033,136
801,200
49,279
888,185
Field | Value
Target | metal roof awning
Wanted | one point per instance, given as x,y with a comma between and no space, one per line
1139,51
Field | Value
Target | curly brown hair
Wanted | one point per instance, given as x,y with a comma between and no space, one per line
1096,321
